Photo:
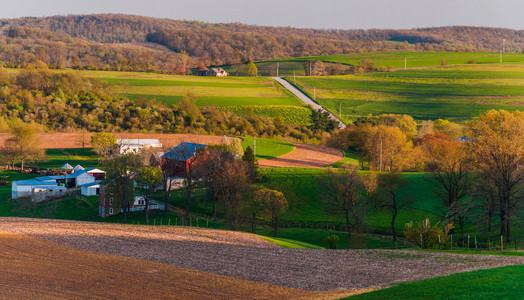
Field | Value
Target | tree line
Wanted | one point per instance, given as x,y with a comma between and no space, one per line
66,102
118,42
477,169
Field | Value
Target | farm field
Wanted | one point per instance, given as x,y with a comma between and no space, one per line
231,256
241,95
295,65
457,93
416,59
97,275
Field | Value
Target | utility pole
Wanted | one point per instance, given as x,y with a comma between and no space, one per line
309,68
405,63
277,68
380,165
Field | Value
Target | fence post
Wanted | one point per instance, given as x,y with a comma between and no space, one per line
475,242
468,241
501,243
169,222
207,222
197,221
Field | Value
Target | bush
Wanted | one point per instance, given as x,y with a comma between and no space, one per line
472,62
331,242
426,236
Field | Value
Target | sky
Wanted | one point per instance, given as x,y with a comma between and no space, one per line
325,14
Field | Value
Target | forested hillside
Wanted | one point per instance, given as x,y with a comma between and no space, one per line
125,42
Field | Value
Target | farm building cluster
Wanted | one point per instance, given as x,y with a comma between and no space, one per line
92,181
215,72
177,161
42,188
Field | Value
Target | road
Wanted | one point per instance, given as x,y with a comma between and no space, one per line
305,98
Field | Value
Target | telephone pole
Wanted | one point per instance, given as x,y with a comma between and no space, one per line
277,68
340,111
380,165
405,63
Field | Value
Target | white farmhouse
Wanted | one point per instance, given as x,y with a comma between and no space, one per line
135,145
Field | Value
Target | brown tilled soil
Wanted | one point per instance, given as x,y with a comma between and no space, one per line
246,257
305,156
79,140
32,268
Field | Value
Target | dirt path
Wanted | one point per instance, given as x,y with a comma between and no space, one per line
305,156
79,140
304,269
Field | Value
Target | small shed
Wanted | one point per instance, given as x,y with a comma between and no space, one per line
41,193
78,168
90,189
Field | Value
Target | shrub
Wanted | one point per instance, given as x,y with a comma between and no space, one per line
472,62
426,236
331,242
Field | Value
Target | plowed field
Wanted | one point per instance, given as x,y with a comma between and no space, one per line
304,156
78,140
231,254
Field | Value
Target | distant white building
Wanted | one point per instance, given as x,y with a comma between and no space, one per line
135,145
55,186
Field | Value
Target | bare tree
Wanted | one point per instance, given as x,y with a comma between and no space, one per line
346,194
390,198
121,171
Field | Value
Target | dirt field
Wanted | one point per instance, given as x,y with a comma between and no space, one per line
78,140
246,257
305,156
32,268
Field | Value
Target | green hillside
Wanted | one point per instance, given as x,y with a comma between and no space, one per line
456,93
241,95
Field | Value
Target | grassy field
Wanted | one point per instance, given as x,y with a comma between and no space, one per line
457,93
268,148
416,59
242,95
497,283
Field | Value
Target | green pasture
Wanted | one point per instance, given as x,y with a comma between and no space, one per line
497,283
417,59
457,93
236,94
267,148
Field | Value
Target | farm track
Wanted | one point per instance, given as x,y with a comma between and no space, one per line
247,257
304,156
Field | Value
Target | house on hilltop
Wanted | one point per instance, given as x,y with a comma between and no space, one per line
216,72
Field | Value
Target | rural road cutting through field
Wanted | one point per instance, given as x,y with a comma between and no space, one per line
305,98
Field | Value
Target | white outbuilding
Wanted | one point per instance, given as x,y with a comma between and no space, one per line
90,189
24,188
135,145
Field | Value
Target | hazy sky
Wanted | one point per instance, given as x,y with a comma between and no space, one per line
341,14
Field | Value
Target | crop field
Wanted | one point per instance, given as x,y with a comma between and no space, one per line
457,93
417,59
242,95
224,259
26,264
